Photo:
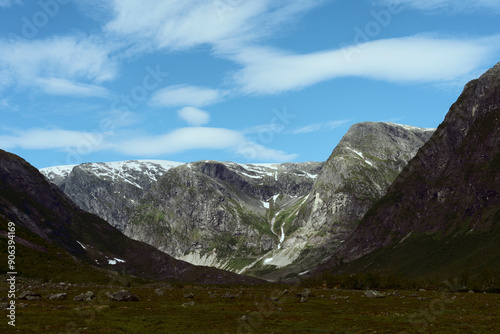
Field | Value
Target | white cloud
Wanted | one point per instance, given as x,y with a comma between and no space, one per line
254,151
38,139
25,62
57,86
194,116
182,24
410,59
182,95
453,5
325,126
185,139
179,140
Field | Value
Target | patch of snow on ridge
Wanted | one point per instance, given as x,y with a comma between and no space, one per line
412,128
118,169
63,170
361,155
115,260
81,244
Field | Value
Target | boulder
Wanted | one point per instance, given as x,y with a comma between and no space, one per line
122,296
57,296
29,295
374,294
160,292
85,297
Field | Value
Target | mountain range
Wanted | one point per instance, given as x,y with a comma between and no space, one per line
56,239
267,220
390,198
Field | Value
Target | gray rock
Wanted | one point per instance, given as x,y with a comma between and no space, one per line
374,294
188,304
85,297
305,293
160,292
29,295
122,296
230,295
57,296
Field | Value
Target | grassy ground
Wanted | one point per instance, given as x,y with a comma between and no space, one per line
259,309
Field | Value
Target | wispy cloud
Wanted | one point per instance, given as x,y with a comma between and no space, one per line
410,59
193,138
194,116
185,95
57,86
39,139
452,5
57,61
324,126
179,140
183,24
254,151
176,141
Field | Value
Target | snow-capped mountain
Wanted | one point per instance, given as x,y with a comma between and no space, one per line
111,190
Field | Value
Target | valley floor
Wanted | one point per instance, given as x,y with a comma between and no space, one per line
255,309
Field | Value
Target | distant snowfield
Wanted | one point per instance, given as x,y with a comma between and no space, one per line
119,170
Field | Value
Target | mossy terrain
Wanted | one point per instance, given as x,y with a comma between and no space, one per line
254,309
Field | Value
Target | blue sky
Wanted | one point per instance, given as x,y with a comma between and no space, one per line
231,80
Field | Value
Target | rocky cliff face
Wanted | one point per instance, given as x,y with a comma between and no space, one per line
218,213
357,174
40,208
109,190
205,212
450,192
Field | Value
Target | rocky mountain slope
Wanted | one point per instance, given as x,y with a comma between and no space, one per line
267,220
49,223
110,190
442,214
357,174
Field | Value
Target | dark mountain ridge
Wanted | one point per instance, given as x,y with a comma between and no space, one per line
441,216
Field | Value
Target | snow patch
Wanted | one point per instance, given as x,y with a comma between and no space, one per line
81,245
412,128
360,154
115,260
